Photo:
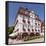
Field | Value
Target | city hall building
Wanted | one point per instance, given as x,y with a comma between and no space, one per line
27,23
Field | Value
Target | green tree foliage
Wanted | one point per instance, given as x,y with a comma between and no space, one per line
10,30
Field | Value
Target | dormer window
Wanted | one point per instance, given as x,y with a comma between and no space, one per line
26,12
22,11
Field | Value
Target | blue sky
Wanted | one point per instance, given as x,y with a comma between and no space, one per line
13,8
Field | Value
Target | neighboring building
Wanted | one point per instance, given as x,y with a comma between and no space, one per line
27,22
42,28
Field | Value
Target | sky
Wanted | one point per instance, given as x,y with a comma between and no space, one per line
13,8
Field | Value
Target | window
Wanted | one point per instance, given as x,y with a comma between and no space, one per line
28,29
38,30
38,24
21,11
28,22
35,23
17,30
24,21
35,30
24,29
16,21
32,29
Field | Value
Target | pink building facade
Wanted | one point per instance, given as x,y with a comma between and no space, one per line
26,22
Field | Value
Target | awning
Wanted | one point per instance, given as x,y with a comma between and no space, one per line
13,34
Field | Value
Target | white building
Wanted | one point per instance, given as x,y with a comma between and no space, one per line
26,22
